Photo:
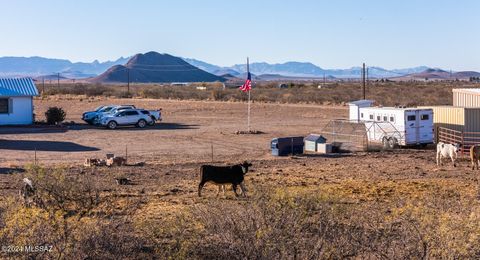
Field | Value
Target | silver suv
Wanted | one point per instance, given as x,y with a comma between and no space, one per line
126,117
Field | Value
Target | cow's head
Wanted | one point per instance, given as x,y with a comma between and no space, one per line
245,166
457,147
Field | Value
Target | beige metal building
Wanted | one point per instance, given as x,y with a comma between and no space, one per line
466,97
457,118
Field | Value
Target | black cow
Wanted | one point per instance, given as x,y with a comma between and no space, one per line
222,175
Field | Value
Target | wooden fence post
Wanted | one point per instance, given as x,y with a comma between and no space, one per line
463,141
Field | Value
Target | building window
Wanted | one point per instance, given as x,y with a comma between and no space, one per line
392,119
371,117
411,118
379,118
385,118
3,105
424,117
361,115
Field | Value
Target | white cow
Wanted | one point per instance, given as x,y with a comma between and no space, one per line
447,150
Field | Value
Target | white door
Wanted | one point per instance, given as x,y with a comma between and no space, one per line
411,127
425,123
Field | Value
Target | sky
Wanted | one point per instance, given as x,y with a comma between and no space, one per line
330,34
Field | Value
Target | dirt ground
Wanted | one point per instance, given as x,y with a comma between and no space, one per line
187,133
174,149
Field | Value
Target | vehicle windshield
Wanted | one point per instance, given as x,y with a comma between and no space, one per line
98,108
106,109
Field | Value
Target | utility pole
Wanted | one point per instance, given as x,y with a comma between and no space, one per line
248,121
128,80
363,81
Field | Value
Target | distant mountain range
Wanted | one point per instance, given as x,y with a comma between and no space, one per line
153,67
303,70
39,66
438,74
110,70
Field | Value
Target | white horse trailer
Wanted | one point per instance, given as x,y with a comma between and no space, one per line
394,126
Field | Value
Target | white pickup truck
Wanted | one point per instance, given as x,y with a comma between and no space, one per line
155,115
138,117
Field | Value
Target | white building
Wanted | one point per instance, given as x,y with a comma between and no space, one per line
16,101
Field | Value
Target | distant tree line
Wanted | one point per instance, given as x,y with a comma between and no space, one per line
474,79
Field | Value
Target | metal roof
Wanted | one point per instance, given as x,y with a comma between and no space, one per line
315,138
17,87
467,90
361,102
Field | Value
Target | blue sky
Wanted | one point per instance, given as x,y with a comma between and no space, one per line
330,34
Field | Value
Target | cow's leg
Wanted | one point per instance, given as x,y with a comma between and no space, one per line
223,190
454,157
219,188
244,190
200,187
438,159
234,187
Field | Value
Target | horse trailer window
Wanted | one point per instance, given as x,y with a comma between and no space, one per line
424,117
392,119
4,106
411,118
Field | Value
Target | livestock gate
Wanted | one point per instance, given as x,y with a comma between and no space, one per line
466,139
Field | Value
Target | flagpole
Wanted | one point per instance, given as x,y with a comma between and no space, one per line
248,118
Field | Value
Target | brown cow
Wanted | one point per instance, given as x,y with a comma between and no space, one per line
475,156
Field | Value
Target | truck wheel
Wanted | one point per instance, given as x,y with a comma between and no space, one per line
141,123
112,125
152,122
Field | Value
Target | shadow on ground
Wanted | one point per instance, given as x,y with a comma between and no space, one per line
158,126
4,170
50,146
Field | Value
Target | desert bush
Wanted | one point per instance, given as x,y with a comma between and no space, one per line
56,190
387,93
69,216
299,227
55,115
217,94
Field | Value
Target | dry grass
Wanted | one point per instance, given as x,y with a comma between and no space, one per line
385,93
307,208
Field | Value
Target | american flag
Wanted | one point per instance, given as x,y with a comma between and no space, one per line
247,86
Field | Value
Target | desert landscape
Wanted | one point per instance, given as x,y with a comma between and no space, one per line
383,204
258,130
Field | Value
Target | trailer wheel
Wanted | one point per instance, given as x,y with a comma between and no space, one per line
392,142
385,143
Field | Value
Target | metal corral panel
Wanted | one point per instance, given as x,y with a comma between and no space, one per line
466,97
17,87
